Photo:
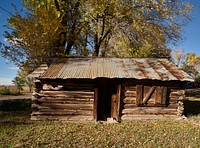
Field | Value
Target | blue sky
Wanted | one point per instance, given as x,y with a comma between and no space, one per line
191,42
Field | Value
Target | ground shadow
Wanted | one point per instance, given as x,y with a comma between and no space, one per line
13,105
191,107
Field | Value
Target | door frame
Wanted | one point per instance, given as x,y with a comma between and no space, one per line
113,96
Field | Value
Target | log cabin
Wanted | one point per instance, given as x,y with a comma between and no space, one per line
97,89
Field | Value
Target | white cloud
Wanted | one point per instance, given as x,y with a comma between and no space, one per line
13,68
6,81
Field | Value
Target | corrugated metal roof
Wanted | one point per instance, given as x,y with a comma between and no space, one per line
138,68
40,70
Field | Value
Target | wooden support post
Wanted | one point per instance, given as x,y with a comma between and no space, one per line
95,104
118,101
139,94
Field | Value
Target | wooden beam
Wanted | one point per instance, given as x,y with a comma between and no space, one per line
147,97
95,104
118,101
139,94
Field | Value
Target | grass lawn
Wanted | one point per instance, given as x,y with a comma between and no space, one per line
16,130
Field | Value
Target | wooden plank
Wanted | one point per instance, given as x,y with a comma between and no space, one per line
148,117
118,101
114,106
139,94
95,104
64,101
163,94
62,118
65,93
63,112
130,88
67,106
129,100
158,95
129,106
150,111
147,97
129,93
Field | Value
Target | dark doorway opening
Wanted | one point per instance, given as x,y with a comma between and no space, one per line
107,95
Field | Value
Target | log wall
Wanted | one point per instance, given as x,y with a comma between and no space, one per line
130,110
60,103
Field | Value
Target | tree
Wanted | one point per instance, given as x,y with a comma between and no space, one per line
122,28
136,23
178,57
22,79
19,83
191,63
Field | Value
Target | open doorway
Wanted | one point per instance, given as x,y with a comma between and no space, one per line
108,102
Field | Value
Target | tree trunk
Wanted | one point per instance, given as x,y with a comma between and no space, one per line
69,47
96,46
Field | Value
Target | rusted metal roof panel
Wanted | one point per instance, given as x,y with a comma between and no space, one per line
40,70
138,68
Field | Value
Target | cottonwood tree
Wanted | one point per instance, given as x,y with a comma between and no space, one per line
178,56
192,64
121,28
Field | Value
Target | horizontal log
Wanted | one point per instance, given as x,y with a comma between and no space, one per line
148,117
66,106
177,92
62,118
63,112
129,106
129,100
64,100
173,102
66,93
130,93
150,111
130,88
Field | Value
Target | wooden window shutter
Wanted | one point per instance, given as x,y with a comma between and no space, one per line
163,95
139,94
157,95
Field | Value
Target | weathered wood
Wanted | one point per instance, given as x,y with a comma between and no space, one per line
158,95
64,100
67,106
149,111
147,97
128,106
147,117
114,106
118,102
129,100
139,94
130,88
95,104
63,112
62,118
67,93
129,93
163,95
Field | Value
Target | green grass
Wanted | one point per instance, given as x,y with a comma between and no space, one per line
17,130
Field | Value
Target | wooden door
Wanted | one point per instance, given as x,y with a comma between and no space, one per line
115,103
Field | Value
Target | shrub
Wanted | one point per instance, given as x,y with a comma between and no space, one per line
5,91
